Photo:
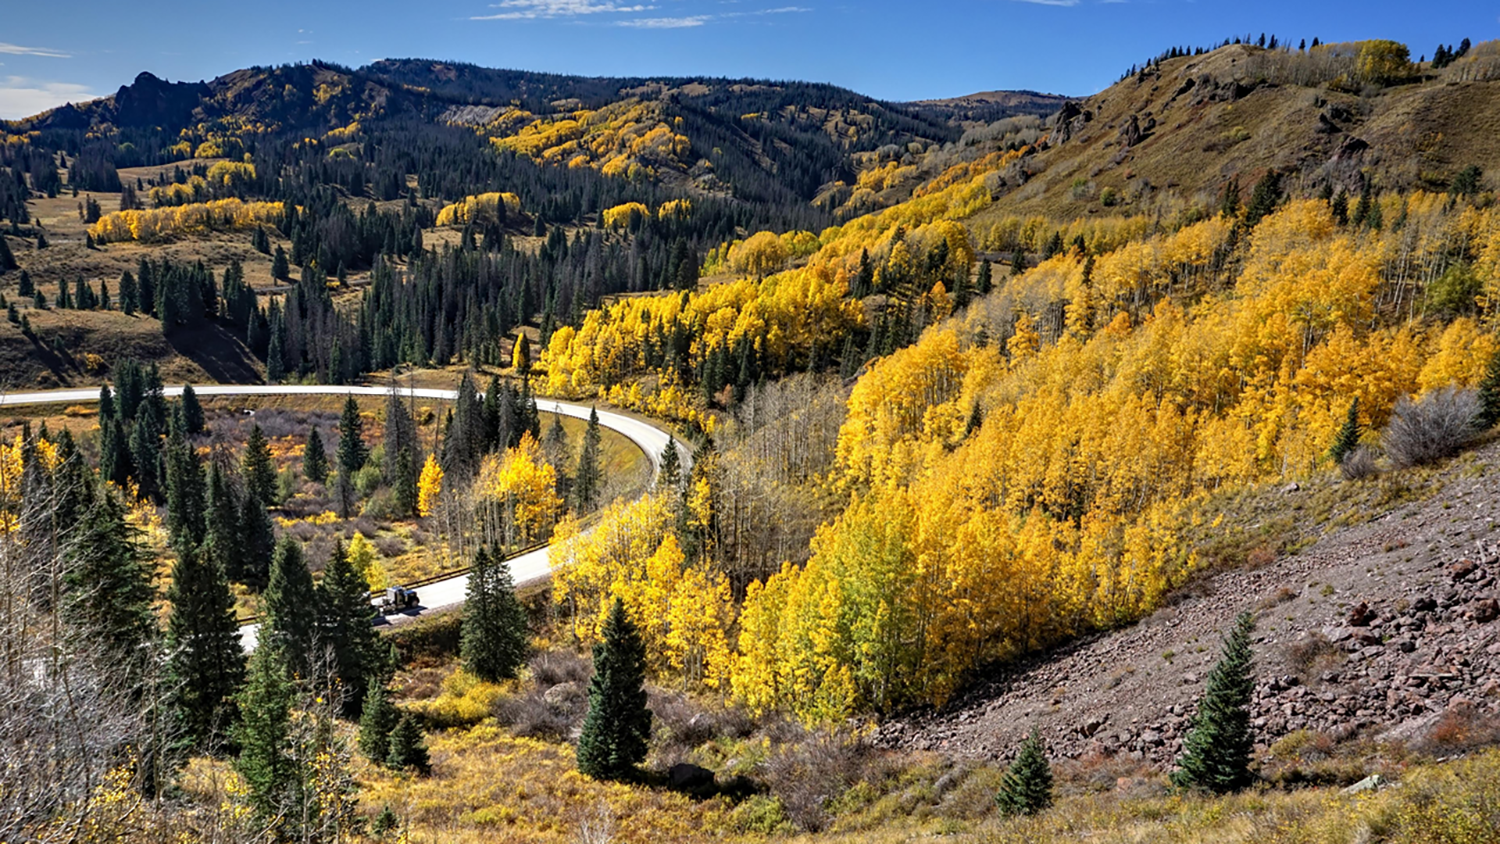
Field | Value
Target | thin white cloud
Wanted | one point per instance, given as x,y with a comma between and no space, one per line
780,11
521,10
22,97
1049,2
18,50
666,23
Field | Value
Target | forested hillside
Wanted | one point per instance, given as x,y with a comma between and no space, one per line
965,382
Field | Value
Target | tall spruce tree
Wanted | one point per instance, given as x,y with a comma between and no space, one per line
260,472
493,640
344,601
185,490
264,735
618,724
1489,395
1216,753
376,722
400,433
291,608
259,539
205,661
192,411
1348,435
314,458
1027,786
669,476
352,454
589,478
222,540
109,592
405,484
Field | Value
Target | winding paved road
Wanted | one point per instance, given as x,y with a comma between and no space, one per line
441,594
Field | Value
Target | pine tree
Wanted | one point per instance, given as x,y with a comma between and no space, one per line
618,724
264,734
408,748
590,475
205,662
185,491
344,604
1264,199
130,297
1027,786
494,624
376,722
109,597
192,411
291,608
986,280
314,458
275,357
1489,395
669,476
1018,261
1348,436
259,543
405,483
260,472
351,454
222,539
1216,753
280,270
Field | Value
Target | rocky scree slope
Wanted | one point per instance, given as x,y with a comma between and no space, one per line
1382,630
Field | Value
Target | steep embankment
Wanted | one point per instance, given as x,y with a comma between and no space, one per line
1188,125
1385,630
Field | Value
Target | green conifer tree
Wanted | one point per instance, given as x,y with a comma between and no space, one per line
376,722
589,478
222,540
618,724
291,608
259,539
408,748
260,472
1348,436
1216,753
344,601
1027,786
669,476
494,632
351,454
1489,395
109,592
192,411
405,482
264,735
205,661
185,490
314,458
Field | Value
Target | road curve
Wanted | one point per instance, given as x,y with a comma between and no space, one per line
441,594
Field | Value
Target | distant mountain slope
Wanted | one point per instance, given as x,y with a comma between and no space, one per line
1186,126
757,140
986,107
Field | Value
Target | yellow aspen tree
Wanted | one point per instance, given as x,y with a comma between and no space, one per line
429,486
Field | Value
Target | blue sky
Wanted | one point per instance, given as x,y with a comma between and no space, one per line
892,49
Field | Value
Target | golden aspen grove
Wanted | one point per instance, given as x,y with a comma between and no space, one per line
1115,390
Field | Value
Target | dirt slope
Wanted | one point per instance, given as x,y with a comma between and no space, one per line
1378,630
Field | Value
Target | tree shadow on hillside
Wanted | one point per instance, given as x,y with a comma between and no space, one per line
217,351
